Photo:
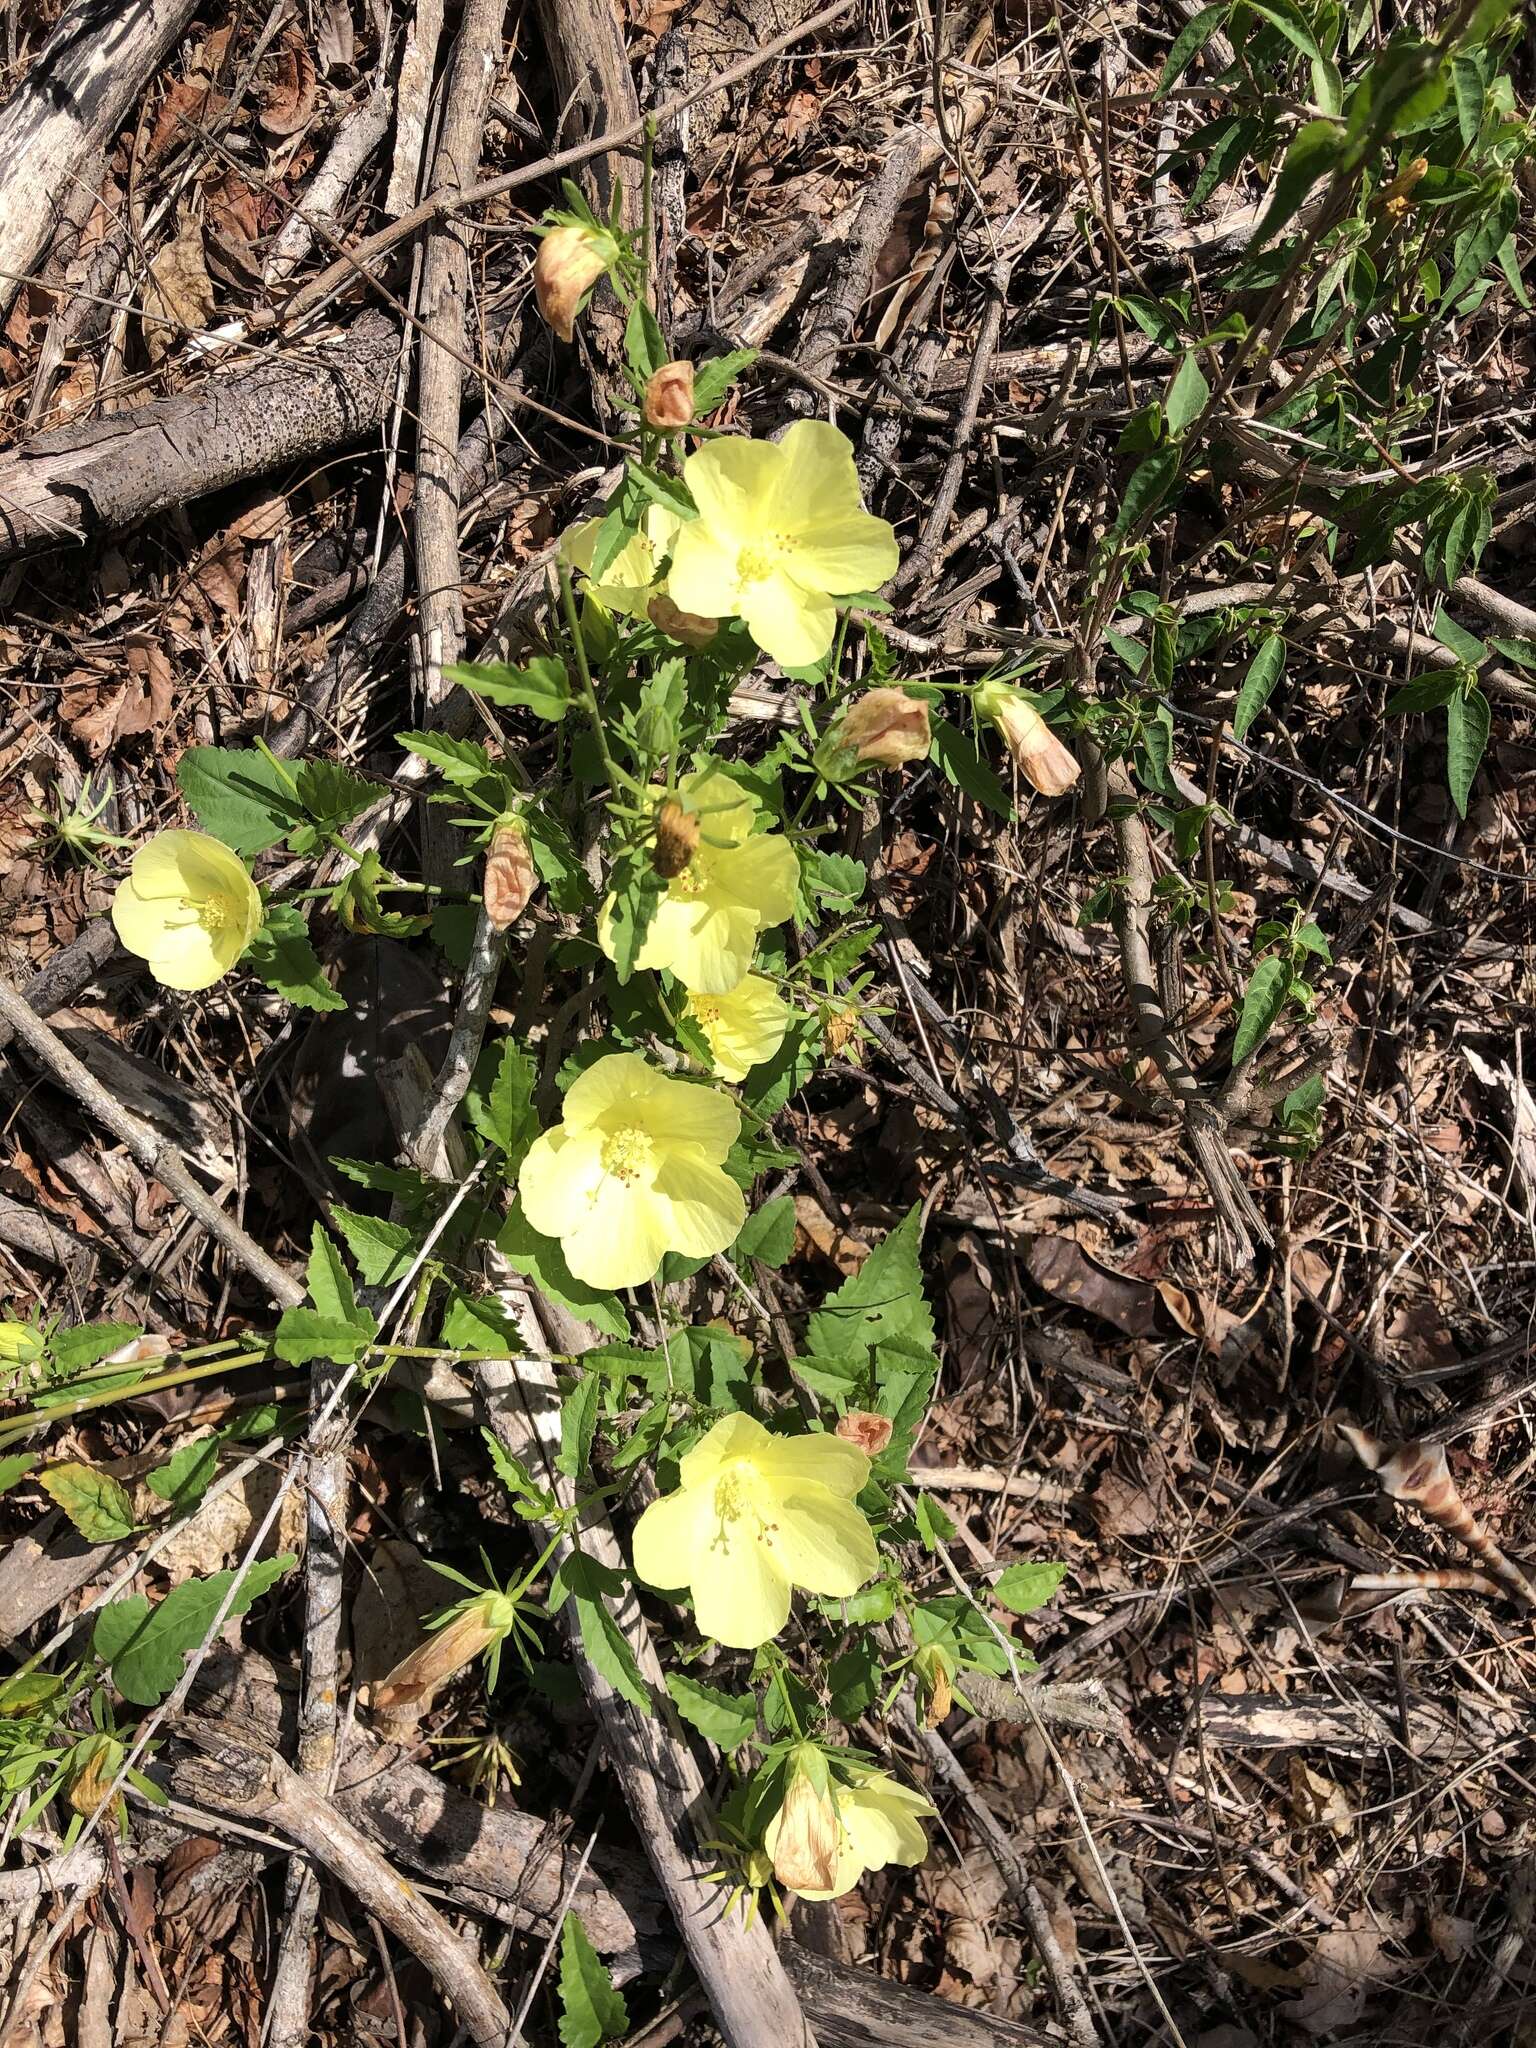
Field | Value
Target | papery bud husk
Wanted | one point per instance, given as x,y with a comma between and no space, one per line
677,839
88,1785
669,397
510,876
934,1689
1042,760
870,1432
885,728
139,1350
570,259
809,1832
842,1032
677,624
450,1650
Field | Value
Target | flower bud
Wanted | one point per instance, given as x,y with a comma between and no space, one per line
96,1763
843,1034
870,1432
510,876
1042,759
677,839
471,1629
934,1691
669,397
807,1835
569,263
680,625
881,729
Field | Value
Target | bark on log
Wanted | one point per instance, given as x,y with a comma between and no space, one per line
585,47
856,2009
82,482
82,86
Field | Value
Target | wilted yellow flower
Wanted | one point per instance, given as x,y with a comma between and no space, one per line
460,1635
805,1832
633,1171
870,1432
1041,757
754,1516
680,625
569,263
742,1028
631,579
781,532
880,1822
188,907
669,397
880,729
737,884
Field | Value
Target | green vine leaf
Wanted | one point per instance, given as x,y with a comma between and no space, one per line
591,2010
1263,1000
1467,719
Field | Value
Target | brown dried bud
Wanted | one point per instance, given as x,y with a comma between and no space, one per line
453,1647
677,838
569,262
680,625
870,1432
882,729
139,1350
98,1760
510,876
806,1838
1041,757
842,1032
669,397
934,1689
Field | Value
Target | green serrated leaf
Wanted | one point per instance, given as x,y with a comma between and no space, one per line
1467,719
281,953
591,2010
769,1232
1264,672
382,1251
725,1719
712,379
1263,1000
331,794
540,686
329,1282
1024,1587
461,762
72,1351
238,796
187,1475
147,1647
303,1335
882,1301
504,1115
98,1507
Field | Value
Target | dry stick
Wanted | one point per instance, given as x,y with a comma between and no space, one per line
234,1776
66,974
1130,912
440,385
1070,2003
154,1154
359,261
356,139
917,563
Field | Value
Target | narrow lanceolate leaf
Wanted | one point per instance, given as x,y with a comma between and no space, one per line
1264,672
1315,149
1466,737
578,1420
1150,483
591,2010
1190,40
1263,1001
1187,397
93,1501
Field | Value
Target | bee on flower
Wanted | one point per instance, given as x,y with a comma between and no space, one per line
735,883
635,1169
188,907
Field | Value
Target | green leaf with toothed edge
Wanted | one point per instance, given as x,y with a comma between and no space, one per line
591,2010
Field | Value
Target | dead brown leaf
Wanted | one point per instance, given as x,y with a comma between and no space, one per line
289,96
178,296
1063,1268
140,703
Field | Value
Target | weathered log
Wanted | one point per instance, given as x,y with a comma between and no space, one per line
853,2008
81,482
83,84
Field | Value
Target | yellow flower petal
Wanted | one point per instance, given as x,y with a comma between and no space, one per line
706,1208
733,1436
818,1460
740,1597
559,1177
664,1540
734,484
823,1542
684,1113
703,575
619,1077
743,1027
790,621
622,1238
762,874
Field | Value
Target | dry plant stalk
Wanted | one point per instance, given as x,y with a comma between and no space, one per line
1417,1475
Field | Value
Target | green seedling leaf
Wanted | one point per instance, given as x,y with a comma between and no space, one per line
1263,1000
147,1647
1464,645
282,955
98,1507
303,1335
964,768
187,1474
1264,672
1151,481
933,1525
720,1717
1024,1587
1424,693
591,2010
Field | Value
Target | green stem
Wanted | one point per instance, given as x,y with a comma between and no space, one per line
616,775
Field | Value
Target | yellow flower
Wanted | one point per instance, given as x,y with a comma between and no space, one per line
755,1515
880,1822
743,1027
19,1344
781,532
736,885
632,578
633,1171
1041,757
188,907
